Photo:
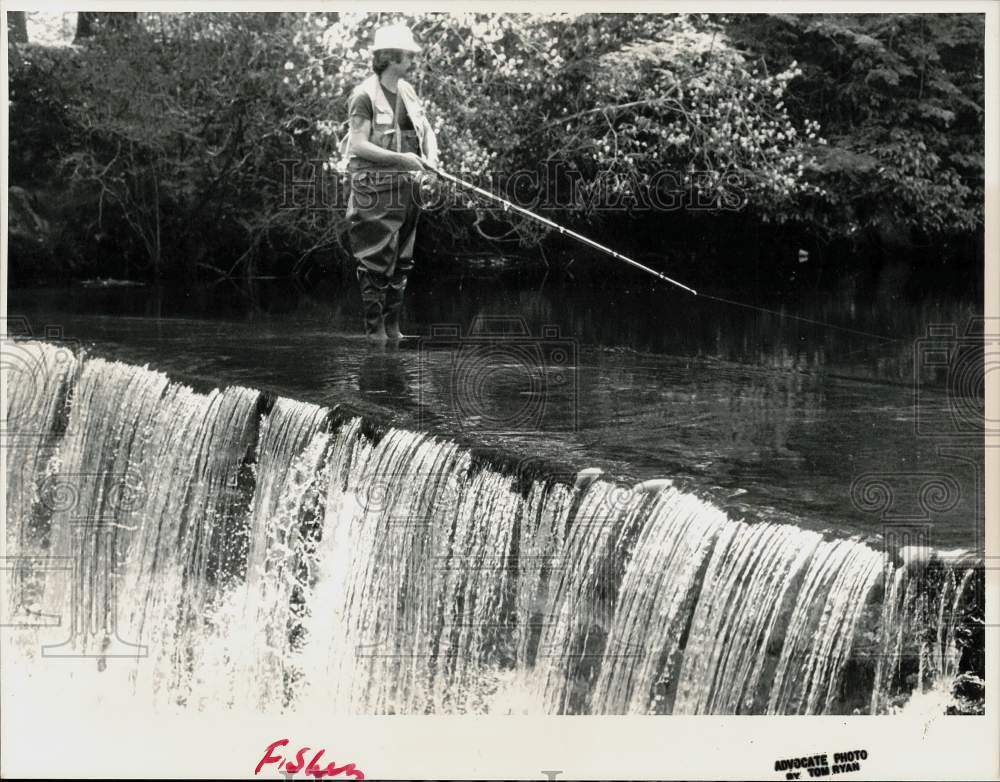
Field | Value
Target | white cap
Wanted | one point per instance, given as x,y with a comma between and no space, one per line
395,36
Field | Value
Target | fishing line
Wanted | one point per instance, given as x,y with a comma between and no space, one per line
799,318
508,206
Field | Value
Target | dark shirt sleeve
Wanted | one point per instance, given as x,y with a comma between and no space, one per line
361,106
405,123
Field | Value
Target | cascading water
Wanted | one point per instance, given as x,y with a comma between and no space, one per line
236,550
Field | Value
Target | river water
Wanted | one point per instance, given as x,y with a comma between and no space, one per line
793,409
254,508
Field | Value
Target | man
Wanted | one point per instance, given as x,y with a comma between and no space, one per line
389,135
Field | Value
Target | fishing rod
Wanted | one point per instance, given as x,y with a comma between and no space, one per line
508,206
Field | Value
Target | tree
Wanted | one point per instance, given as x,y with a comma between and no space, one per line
183,131
17,27
91,23
605,102
179,131
900,99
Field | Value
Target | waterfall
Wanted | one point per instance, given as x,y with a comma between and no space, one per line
231,549
919,639
658,593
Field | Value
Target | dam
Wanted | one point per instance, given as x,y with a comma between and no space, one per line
237,548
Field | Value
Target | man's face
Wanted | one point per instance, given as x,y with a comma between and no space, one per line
405,62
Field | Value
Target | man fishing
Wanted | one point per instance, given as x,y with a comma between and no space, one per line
389,134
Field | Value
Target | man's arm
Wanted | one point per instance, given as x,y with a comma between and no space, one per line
363,148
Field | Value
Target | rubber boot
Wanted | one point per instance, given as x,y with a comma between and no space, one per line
374,319
373,304
391,311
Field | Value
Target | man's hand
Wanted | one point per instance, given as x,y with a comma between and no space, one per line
410,161
431,165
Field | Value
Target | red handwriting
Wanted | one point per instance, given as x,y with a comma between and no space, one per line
299,764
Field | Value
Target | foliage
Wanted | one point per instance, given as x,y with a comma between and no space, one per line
180,133
900,98
615,102
185,125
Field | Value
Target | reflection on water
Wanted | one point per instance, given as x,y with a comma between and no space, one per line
641,380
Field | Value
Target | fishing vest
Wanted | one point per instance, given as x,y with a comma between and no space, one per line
385,132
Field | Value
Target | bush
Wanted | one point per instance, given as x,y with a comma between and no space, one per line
178,133
172,136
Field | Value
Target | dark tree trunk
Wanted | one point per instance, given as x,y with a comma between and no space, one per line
17,27
121,21
89,23
85,25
